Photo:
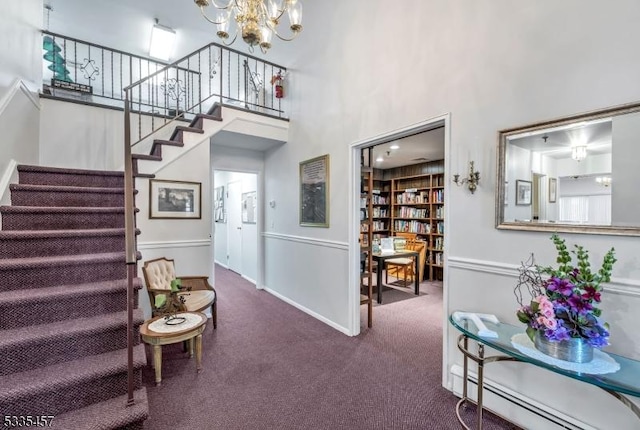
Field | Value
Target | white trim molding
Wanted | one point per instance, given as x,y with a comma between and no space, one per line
10,174
621,286
175,244
308,240
18,84
308,311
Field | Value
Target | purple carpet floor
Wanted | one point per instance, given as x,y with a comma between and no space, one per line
270,366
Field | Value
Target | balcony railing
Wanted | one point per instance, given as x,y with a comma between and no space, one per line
87,72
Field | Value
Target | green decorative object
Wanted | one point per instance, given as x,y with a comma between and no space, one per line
52,54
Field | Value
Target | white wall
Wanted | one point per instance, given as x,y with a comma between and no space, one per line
20,76
21,43
625,208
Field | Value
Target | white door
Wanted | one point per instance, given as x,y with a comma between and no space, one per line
234,224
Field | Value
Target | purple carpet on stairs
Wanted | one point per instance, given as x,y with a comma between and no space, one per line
271,366
63,324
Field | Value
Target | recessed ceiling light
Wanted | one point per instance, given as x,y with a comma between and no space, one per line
394,146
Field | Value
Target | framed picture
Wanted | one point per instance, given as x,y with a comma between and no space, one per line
218,205
174,199
553,190
249,207
523,192
314,192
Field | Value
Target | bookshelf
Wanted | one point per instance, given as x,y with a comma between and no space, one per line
367,228
417,206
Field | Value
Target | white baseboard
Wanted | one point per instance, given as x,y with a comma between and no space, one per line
529,414
308,311
249,279
221,264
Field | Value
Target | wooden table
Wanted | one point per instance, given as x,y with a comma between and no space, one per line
382,257
156,332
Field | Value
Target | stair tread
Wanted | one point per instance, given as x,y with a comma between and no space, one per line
66,188
189,129
144,175
168,142
106,415
209,116
62,292
147,157
32,168
51,234
61,329
69,260
61,209
57,376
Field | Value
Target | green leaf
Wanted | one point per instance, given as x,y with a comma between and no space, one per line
531,332
175,285
160,300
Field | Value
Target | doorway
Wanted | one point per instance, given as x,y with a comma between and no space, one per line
441,122
235,222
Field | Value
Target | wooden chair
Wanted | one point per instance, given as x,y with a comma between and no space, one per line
158,275
405,264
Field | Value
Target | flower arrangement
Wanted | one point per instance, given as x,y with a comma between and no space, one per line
564,300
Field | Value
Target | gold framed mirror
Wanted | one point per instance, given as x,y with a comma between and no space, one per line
573,174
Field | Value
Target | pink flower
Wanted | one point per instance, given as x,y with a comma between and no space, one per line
549,323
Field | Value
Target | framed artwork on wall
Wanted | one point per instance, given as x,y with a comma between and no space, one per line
314,192
249,207
218,204
553,190
523,192
174,199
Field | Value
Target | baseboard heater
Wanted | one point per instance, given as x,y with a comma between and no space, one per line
517,399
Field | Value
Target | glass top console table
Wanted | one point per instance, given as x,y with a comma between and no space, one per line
622,382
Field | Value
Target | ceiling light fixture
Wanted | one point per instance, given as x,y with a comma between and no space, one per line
579,152
379,159
256,20
162,39
394,146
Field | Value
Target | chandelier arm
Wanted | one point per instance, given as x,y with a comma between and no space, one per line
235,36
284,38
276,18
209,19
213,2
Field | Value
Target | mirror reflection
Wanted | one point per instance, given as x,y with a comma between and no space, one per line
572,174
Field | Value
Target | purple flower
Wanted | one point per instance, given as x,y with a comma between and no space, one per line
561,286
560,333
591,293
578,305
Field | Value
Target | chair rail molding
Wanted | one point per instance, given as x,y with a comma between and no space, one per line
308,240
174,244
621,286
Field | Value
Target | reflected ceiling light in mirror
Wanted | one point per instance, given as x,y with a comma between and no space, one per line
579,152
605,181
379,159
395,146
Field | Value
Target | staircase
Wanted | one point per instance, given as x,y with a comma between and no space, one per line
63,319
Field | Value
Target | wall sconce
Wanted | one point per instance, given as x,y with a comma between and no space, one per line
162,39
473,180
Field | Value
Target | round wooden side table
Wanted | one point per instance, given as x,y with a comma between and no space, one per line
156,332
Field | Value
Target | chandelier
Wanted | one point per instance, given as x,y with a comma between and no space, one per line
256,20
579,152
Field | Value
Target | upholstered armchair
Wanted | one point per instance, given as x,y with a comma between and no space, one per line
198,294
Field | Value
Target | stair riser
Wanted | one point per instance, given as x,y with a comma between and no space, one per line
43,247
61,221
57,400
24,356
49,276
53,309
70,179
66,199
